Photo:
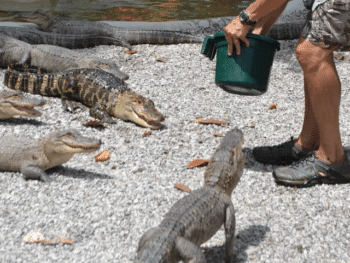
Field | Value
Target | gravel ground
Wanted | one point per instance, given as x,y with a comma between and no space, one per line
106,207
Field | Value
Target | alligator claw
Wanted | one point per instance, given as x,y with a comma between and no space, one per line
72,106
45,178
109,120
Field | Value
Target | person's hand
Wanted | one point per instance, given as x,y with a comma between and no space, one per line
234,31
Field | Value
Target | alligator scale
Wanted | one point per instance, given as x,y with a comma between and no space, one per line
105,95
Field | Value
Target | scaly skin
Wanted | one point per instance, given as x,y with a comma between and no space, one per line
195,218
133,32
13,103
65,25
32,157
51,58
202,27
34,37
103,93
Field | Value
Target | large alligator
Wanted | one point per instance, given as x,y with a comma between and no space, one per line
195,218
65,25
34,36
142,32
32,157
51,58
105,95
209,26
13,103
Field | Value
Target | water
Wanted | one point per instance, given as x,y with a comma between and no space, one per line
128,10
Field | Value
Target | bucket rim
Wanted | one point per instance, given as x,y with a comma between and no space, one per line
219,39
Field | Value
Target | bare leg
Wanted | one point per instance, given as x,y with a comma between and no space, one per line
322,100
264,24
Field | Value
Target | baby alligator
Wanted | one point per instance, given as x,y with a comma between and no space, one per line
51,58
102,92
32,157
13,103
195,218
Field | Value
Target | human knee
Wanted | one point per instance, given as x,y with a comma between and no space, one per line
311,56
306,55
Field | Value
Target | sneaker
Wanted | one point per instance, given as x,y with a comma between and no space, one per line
312,171
282,154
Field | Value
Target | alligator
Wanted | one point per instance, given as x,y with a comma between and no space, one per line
51,58
195,218
105,95
13,103
65,25
209,26
32,157
35,37
142,32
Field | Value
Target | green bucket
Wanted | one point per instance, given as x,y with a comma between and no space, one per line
248,73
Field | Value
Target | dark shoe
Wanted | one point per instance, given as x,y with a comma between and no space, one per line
312,171
282,154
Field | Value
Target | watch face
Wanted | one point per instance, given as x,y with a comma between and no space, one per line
243,17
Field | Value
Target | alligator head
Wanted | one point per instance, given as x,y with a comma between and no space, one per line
225,168
70,142
12,103
39,17
130,106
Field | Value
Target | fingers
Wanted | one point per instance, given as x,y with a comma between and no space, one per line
235,41
229,45
246,41
234,32
232,40
238,46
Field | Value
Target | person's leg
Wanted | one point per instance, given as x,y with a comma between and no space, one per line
326,29
264,24
309,138
322,100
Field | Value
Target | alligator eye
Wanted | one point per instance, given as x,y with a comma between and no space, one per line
69,135
137,100
15,96
104,65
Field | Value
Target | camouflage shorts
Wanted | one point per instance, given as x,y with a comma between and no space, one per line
329,25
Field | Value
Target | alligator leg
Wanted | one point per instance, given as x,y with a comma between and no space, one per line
33,172
71,106
97,113
66,93
230,224
189,252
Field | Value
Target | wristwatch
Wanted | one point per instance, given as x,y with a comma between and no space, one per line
244,18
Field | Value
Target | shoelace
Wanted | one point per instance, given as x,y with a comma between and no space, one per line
311,158
282,145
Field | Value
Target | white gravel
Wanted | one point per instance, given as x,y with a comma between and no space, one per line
105,211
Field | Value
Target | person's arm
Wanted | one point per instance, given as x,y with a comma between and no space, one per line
235,30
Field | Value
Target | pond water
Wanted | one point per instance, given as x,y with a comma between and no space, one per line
128,10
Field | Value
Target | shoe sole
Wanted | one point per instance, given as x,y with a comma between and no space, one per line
312,182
